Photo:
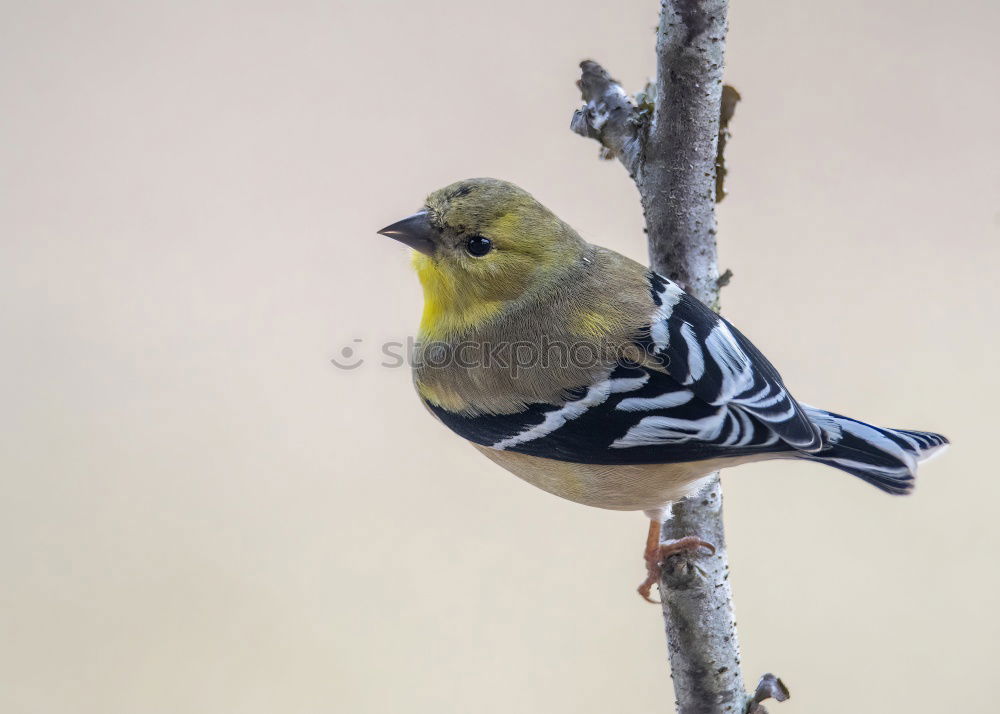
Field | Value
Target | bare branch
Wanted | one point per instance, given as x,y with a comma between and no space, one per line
674,154
608,115
698,612
678,182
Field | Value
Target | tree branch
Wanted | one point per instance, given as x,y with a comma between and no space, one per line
610,116
678,186
670,139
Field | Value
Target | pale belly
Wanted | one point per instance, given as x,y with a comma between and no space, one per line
642,487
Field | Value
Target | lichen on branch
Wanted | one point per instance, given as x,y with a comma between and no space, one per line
609,115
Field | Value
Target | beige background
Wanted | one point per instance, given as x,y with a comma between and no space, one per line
199,513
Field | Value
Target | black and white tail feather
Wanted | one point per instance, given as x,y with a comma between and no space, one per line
710,394
885,458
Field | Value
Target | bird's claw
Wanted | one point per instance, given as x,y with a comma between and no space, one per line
655,556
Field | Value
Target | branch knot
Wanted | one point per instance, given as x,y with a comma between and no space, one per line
610,116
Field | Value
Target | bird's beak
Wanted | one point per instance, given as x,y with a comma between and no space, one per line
415,231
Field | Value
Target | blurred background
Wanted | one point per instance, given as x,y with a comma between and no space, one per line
199,512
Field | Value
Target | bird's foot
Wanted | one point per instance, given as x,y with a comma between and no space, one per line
657,552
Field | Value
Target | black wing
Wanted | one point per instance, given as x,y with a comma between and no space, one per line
713,359
718,397
636,416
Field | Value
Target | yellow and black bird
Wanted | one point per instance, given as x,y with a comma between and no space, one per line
598,380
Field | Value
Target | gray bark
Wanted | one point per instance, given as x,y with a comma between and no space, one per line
667,138
678,178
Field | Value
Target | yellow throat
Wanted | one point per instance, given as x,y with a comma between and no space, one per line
448,309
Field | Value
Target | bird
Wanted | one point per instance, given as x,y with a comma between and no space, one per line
599,380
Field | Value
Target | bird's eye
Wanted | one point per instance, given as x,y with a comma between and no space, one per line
478,246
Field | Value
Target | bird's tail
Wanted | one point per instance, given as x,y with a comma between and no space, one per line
885,458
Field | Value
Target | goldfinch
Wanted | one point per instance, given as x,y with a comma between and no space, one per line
598,380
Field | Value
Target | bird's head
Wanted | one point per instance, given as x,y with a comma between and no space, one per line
480,244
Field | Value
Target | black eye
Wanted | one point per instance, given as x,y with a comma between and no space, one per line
478,246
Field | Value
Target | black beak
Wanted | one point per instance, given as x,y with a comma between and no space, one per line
415,231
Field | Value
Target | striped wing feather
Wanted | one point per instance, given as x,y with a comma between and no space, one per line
718,397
